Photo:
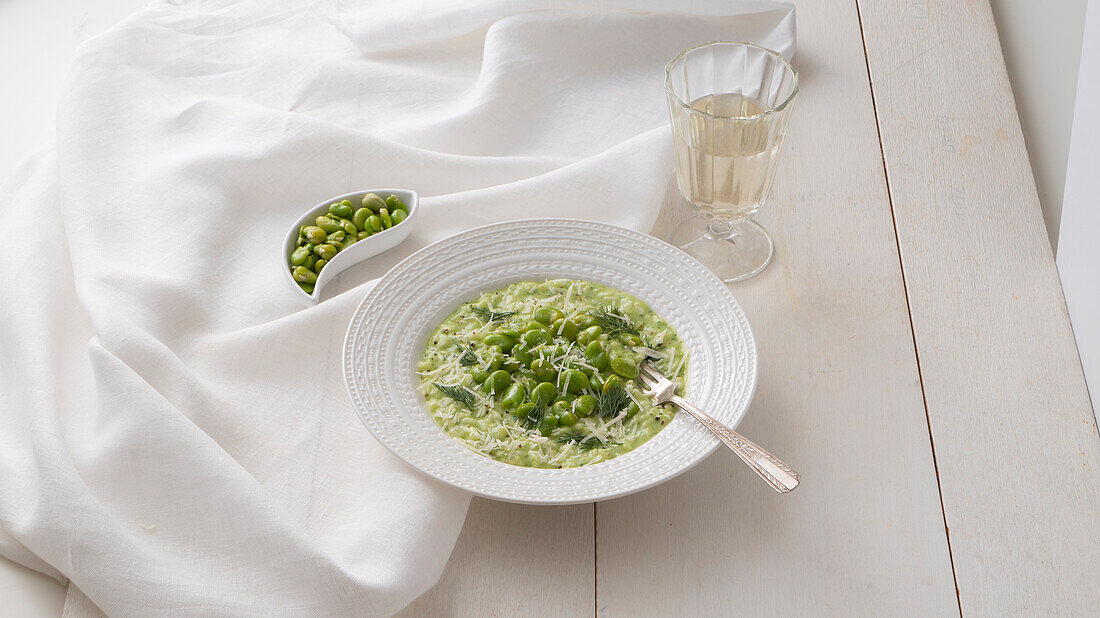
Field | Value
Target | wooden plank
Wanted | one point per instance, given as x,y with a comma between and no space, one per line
839,398
515,560
1014,433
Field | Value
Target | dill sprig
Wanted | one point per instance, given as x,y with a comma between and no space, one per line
534,417
611,401
467,357
585,441
458,393
614,322
489,315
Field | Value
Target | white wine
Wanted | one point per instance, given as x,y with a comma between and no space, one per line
726,145
726,164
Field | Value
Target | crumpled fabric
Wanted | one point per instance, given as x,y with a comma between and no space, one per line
175,436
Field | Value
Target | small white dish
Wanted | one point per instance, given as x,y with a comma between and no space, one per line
361,250
387,333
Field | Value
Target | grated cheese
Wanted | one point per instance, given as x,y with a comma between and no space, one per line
496,433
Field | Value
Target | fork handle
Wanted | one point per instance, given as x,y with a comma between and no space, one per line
776,473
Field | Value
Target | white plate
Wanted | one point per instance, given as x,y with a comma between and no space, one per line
387,334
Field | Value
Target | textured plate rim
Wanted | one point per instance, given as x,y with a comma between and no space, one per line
751,363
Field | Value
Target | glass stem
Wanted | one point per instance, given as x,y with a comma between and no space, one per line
719,230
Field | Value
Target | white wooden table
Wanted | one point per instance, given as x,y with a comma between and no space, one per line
917,366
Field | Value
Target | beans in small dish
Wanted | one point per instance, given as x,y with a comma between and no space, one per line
341,227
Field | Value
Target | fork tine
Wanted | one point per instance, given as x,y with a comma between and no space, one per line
647,380
649,371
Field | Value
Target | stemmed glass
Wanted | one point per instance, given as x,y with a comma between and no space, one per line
729,104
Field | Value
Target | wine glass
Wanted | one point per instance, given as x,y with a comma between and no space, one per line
729,104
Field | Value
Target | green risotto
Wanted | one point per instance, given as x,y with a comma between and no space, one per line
542,374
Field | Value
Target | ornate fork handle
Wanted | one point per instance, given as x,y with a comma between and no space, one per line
776,473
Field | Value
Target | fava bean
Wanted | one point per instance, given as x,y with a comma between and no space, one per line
513,396
325,252
304,275
585,405
394,203
384,214
588,335
374,202
522,354
560,407
300,254
315,234
547,315
536,337
596,381
359,219
494,357
624,367
499,380
544,371
523,410
544,392
374,223
318,265
340,209
573,381
548,423
564,328
611,383
534,326
398,216
327,224
504,343
551,350
592,350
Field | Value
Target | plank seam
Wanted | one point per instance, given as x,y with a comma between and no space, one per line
1077,349
908,306
595,564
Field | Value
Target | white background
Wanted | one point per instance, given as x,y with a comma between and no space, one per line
1042,46
1079,255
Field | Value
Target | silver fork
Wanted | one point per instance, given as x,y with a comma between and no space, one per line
776,473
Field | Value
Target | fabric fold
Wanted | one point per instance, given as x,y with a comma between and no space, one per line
175,435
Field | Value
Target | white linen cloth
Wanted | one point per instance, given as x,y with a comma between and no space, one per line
175,437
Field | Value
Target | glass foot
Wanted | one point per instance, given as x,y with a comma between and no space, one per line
733,251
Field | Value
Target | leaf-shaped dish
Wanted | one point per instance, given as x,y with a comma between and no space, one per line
366,248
